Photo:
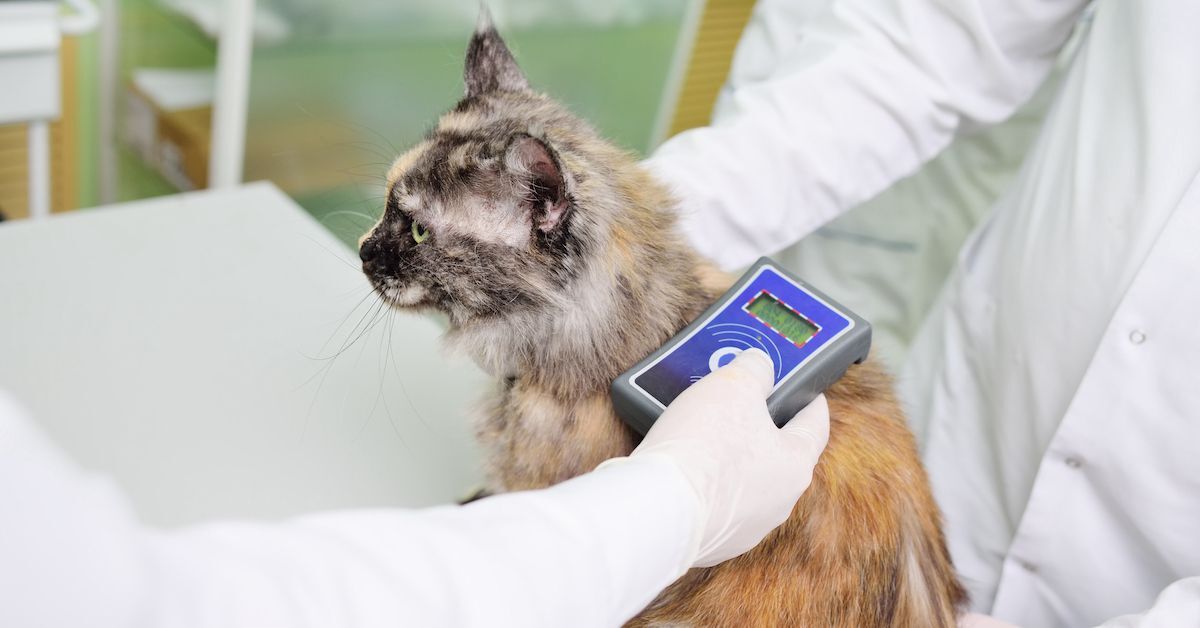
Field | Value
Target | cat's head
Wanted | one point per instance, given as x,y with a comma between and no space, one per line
494,210
551,251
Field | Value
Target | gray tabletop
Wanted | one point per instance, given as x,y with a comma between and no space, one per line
197,349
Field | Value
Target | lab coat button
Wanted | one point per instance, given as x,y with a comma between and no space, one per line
1137,336
1027,566
1073,462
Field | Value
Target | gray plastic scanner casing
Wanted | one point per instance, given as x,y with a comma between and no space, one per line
638,409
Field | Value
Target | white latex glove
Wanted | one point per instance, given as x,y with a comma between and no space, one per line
746,472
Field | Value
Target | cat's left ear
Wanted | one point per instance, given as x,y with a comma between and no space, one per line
546,195
490,66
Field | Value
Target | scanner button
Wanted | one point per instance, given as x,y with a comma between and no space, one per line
721,357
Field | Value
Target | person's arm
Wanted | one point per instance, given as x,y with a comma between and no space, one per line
589,552
592,551
862,95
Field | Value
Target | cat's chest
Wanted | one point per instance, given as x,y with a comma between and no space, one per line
534,438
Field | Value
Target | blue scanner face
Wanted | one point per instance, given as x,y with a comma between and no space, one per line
769,312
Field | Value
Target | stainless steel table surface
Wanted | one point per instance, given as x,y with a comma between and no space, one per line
185,346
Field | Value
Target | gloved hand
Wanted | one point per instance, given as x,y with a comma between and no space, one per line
746,472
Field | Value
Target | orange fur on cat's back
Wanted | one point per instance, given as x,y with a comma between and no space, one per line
846,537
813,571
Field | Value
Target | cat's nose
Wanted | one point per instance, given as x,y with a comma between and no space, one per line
369,250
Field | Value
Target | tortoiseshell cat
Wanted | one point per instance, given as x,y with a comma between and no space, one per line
558,263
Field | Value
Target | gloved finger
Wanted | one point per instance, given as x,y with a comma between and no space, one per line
809,429
751,367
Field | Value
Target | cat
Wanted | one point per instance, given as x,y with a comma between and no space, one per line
557,261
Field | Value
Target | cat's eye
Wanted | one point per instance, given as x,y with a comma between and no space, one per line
419,232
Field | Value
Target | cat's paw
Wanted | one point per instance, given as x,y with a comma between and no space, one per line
477,495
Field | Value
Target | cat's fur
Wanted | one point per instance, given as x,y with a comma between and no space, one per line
557,260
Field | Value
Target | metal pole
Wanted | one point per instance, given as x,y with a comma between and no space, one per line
234,47
39,169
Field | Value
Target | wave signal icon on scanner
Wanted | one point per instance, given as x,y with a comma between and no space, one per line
734,339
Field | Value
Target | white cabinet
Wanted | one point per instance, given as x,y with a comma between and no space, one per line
29,39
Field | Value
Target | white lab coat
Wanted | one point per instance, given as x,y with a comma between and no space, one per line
1054,386
592,551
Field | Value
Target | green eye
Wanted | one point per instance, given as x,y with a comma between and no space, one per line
419,232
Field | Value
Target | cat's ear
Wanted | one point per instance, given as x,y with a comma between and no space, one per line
490,66
546,190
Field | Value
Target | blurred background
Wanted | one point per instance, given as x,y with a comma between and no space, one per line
210,343
336,90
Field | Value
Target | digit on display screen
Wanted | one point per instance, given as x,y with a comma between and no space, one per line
788,322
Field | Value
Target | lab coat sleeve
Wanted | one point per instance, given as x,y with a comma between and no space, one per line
592,551
1177,605
861,95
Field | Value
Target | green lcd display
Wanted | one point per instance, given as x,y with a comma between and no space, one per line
783,319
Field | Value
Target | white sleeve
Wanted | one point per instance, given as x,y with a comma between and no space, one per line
1177,605
859,96
592,551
